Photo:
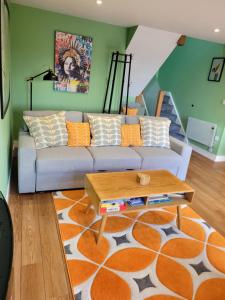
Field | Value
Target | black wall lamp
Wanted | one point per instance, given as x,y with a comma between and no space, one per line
49,75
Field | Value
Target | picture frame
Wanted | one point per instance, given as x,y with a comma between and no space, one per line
4,58
216,69
73,60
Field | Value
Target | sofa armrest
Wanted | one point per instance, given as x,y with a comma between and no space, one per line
26,163
184,150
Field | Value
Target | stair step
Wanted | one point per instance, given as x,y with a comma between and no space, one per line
178,136
166,99
172,117
167,108
174,127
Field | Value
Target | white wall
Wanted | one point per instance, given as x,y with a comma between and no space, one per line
150,48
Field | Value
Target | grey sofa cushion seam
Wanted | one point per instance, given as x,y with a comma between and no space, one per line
142,159
91,156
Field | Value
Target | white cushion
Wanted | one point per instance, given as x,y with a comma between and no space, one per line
155,132
105,131
48,131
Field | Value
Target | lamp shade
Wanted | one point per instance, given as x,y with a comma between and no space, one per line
50,76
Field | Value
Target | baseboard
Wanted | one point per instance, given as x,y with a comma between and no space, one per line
209,155
220,158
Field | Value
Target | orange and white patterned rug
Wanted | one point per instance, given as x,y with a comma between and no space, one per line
141,255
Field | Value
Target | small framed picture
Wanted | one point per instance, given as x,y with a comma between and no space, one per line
216,69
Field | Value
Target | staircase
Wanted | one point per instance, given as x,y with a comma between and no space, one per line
150,48
168,110
165,107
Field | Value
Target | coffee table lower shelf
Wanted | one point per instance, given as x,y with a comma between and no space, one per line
175,202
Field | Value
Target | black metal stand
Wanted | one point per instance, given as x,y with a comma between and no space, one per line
124,59
49,76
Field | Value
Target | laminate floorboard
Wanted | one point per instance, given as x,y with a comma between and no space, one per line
39,270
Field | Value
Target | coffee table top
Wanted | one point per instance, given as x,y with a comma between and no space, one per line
117,185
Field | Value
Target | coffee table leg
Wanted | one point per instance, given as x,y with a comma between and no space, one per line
178,217
88,208
102,226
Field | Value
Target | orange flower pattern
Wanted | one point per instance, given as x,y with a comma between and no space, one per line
141,255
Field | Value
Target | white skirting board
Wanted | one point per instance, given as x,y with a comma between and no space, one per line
209,155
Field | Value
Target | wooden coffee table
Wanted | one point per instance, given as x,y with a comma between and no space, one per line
124,185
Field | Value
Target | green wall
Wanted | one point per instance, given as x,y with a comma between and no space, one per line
32,34
5,148
130,33
185,74
151,93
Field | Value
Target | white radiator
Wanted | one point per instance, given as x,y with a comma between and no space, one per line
201,131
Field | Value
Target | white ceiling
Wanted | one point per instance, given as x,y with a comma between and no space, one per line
196,18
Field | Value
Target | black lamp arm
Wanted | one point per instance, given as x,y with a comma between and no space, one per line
32,77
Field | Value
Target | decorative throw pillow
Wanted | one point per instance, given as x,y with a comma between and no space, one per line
79,134
105,131
131,135
48,131
155,132
131,111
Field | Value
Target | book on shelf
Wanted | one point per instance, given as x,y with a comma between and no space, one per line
117,201
112,206
138,201
158,201
176,195
164,196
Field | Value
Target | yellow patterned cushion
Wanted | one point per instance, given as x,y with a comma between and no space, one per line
78,134
131,135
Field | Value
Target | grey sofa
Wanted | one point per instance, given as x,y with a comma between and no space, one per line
63,167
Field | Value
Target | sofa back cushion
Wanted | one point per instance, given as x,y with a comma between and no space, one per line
86,118
48,131
132,119
72,116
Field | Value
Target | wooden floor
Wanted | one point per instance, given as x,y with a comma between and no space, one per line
39,270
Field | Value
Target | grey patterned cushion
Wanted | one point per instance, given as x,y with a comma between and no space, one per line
105,131
48,131
155,132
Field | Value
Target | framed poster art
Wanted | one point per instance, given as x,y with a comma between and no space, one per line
4,59
73,55
216,69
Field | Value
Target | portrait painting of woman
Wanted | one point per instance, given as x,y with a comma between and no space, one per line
72,62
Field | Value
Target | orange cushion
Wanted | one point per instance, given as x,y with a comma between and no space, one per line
130,111
131,135
78,134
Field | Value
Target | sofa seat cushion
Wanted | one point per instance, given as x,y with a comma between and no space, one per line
109,158
156,158
64,159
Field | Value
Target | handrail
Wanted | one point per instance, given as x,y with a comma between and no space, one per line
159,103
141,100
